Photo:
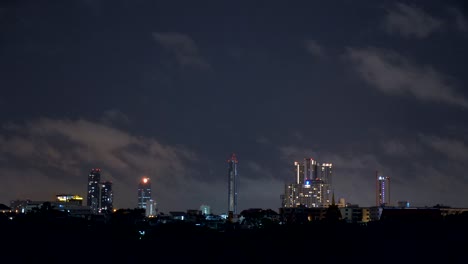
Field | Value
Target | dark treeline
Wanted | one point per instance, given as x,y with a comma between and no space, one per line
125,237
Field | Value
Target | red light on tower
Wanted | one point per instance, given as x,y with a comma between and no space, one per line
233,158
145,180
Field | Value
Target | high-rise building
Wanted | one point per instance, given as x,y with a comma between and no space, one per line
299,171
310,169
232,184
106,197
144,192
325,174
312,185
94,178
382,192
151,208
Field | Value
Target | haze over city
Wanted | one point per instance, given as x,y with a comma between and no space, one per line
169,91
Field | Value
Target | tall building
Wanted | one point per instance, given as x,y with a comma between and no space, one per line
144,192
94,178
106,197
151,208
299,171
382,192
232,184
312,185
310,169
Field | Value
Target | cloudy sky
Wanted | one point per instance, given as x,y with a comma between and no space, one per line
169,89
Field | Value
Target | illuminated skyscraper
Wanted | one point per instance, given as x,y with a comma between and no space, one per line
144,192
382,192
310,169
232,184
106,197
94,177
325,174
312,186
299,171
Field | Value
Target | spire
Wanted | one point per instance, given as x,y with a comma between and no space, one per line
233,158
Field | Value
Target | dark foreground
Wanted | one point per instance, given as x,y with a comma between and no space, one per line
80,242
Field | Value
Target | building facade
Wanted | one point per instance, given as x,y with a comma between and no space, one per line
107,197
69,198
312,186
232,184
144,192
382,192
94,178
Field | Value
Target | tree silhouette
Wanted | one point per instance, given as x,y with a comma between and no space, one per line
333,213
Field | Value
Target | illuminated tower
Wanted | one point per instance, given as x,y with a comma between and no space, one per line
312,186
325,174
94,177
232,184
299,170
144,192
382,192
106,197
310,169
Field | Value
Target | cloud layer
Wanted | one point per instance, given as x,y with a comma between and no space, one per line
410,21
183,47
314,48
392,73
460,19
44,157
61,153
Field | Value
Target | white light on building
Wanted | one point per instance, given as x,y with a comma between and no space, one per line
205,209
151,208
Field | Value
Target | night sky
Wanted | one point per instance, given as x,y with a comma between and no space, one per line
169,89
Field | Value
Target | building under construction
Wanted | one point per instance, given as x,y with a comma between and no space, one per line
312,185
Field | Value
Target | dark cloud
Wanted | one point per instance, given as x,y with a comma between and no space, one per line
64,151
394,147
460,20
263,140
452,148
315,48
392,73
411,21
183,47
113,116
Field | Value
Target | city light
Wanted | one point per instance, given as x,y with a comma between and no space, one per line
66,198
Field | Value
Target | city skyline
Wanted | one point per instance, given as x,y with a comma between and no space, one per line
150,88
